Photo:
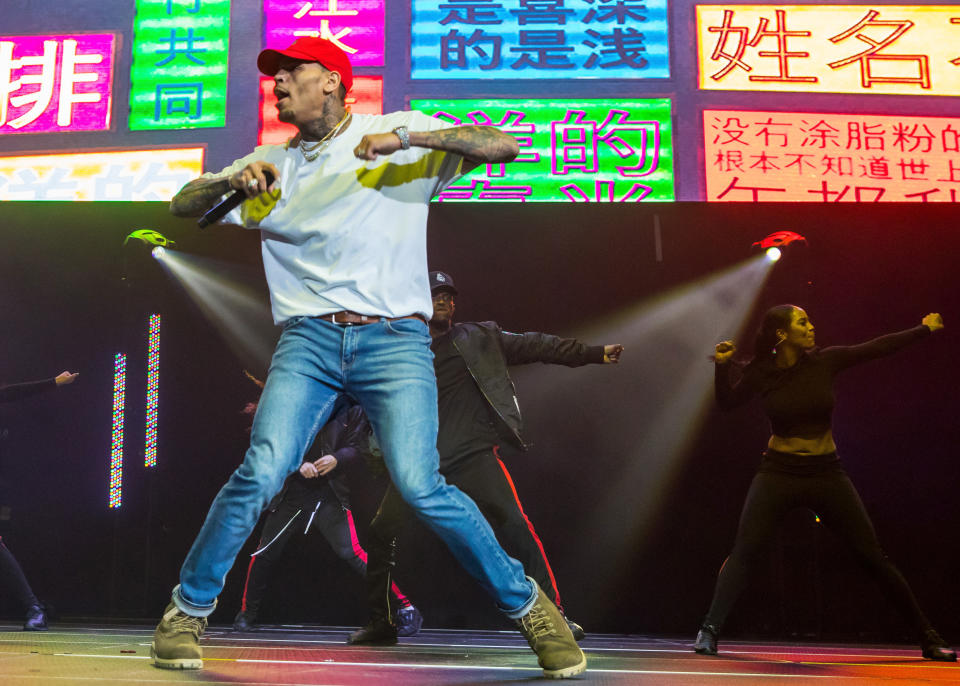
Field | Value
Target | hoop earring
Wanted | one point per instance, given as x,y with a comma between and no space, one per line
780,339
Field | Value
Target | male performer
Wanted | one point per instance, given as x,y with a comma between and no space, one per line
478,410
11,574
318,495
344,249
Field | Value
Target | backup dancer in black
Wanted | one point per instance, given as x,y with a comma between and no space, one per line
317,498
800,467
478,410
12,577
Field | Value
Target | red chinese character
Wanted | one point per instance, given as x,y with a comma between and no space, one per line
913,170
728,160
864,136
736,59
800,162
821,134
734,130
754,190
780,34
876,168
765,162
767,132
902,137
954,172
923,195
950,139
868,56
841,166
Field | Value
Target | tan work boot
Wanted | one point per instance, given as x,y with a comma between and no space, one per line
176,642
548,634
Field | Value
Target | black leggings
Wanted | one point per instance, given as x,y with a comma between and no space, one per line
12,579
833,497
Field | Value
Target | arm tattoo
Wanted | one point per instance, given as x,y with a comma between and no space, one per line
198,196
479,144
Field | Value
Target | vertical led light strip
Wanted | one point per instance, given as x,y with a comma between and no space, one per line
116,450
153,392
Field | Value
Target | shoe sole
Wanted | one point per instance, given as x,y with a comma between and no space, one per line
566,672
177,663
374,642
411,629
939,658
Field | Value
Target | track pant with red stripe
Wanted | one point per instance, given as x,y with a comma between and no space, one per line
484,478
298,515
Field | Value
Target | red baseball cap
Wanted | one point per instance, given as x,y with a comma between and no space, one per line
310,49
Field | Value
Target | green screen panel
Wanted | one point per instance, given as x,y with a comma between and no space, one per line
570,150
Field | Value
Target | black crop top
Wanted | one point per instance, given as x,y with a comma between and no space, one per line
798,400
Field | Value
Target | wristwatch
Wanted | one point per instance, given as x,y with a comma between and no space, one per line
404,137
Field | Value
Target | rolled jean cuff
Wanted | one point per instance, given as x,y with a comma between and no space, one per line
527,606
188,608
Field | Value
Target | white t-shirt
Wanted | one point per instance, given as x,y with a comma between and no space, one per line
348,234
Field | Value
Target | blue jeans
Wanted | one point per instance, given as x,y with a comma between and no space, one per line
387,366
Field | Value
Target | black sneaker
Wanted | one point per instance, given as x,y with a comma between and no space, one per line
706,643
245,621
935,648
578,633
408,620
36,619
377,632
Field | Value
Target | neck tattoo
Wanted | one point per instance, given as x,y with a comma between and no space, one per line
312,151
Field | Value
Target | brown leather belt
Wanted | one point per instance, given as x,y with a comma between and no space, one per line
348,317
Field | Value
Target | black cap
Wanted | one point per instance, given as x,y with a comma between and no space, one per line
441,281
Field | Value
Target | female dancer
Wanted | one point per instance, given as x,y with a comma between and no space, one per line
11,574
800,467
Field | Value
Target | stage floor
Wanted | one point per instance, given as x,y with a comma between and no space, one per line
120,654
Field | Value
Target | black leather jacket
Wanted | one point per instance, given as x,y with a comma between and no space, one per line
347,438
488,350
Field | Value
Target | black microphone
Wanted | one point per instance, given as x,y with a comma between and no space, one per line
219,211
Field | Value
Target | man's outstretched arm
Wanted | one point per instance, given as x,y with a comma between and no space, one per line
476,144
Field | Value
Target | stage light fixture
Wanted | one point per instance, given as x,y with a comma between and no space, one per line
150,237
780,239
158,252
775,243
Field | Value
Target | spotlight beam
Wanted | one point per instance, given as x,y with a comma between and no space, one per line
237,311
641,417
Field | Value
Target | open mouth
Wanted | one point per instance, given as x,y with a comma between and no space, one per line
280,95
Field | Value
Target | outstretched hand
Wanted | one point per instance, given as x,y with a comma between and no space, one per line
64,378
611,353
933,321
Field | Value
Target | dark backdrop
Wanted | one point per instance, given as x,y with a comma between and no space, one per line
633,550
